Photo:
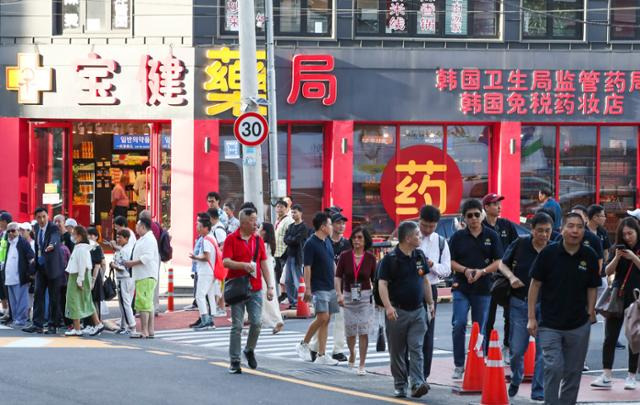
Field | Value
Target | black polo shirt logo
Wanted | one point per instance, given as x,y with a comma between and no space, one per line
586,243
487,242
420,265
504,234
582,266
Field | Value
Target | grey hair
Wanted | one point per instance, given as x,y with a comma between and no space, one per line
245,214
405,229
13,225
59,216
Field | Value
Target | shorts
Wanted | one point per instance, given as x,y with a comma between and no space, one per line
145,289
326,301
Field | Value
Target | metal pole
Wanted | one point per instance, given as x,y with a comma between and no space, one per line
251,157
273,111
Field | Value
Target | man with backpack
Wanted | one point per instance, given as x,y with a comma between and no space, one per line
436,250
165,250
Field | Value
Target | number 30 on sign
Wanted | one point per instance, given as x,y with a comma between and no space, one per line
251,129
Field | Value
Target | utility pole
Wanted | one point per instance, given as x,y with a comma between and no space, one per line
273,111
251,156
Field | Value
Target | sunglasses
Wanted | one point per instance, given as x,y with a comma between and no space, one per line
473,214
12,230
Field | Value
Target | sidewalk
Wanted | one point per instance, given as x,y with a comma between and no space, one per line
442,369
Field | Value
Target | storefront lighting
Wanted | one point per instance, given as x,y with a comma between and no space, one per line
384,139
207,144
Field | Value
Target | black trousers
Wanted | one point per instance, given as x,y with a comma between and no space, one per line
427,346
54,286
280,262
491,320
612,327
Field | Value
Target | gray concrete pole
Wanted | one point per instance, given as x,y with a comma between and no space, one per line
252,156
273,111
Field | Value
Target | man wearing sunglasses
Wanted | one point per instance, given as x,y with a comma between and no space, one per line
475,253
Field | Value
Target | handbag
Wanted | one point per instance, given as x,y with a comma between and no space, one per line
236,290
632,323
501,290
611,303
109,288
380,344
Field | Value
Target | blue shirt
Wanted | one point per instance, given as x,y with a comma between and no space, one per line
318,254
197,250
557,210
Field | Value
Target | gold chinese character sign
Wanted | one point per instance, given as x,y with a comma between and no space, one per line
420,175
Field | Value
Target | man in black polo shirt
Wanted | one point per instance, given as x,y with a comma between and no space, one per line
515,266
565,277
589,239
475,253
403,289
506,230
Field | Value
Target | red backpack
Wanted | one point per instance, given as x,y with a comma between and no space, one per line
219,271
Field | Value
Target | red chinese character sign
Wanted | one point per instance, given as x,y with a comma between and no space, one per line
420,175
312,74
162,80
95,80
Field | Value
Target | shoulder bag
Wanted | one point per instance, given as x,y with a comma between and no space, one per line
109,287
236,290
501,287
611,303
632,323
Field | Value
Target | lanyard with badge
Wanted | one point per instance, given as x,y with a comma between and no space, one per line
356,287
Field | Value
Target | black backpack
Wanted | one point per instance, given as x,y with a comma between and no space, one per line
164,246
393,257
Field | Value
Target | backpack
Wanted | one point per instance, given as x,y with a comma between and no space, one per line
164,246
632,323
392,256
219,271
441,241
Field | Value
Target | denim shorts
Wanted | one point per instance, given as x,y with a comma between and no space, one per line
326,301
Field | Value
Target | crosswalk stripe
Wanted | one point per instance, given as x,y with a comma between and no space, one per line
4,327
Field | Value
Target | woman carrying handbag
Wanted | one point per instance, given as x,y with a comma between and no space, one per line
626,267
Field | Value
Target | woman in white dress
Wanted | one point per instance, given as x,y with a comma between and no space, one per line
271,316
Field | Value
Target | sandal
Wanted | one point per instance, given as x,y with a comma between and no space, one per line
278,328
361,371
137,336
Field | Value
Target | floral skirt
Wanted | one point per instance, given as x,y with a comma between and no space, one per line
358,315
79,301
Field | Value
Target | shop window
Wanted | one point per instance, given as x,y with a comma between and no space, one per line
93,16
537,166
230,22
165,176
624,18
428,18
230,179
373,147
553,19
303,17
283,152
618,160
411,135
577,167
469,147
306,185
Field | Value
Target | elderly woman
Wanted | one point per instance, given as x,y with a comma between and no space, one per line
354,274
79,300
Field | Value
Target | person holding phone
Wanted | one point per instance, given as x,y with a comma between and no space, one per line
625,265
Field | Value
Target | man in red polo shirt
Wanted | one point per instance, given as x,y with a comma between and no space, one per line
239,252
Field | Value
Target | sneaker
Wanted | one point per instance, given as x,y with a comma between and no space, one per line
399,393
195,324
191,307
339,356
97,330
420,390
630,383
88,330
73,332
324,360
302,349
458,372
234,368
537,399
51,330
361,371
513,390
124,332
585,368
33,329
314,354
251,358
220,313
202,326
602,382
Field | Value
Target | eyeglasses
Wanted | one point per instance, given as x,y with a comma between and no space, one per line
473,214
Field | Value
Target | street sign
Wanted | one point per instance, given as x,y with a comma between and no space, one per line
251,129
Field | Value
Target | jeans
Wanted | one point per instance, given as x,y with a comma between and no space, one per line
406,334
294,272
612,328
518,344
254,307
563,352
19,303
479,305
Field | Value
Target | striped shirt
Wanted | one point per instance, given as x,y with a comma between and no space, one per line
281,229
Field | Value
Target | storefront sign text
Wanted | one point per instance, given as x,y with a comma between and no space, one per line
420,175
223,81
95,80
539,92
312,74
29,78
162,80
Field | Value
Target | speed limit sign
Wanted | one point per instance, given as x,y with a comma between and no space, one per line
250,129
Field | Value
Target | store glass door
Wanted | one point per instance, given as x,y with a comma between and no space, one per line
159,174
50,165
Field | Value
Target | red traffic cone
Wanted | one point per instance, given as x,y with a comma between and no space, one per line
302,307
530,359
494,389
474,367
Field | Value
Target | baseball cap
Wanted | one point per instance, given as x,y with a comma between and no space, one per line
338,217
635,213
5,216
26,226
71,222
491,198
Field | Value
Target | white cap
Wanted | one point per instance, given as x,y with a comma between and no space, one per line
635,213
71,222
26,226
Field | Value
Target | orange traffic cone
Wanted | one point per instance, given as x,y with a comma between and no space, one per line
474,368
494,390
530,359
302,307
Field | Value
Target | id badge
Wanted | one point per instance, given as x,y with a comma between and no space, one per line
356,291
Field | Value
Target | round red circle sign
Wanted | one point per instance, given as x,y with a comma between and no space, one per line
420,175
251,129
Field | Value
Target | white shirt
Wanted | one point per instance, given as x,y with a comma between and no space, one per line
12,273
204,268
146,250
122,255
219,234
430,246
